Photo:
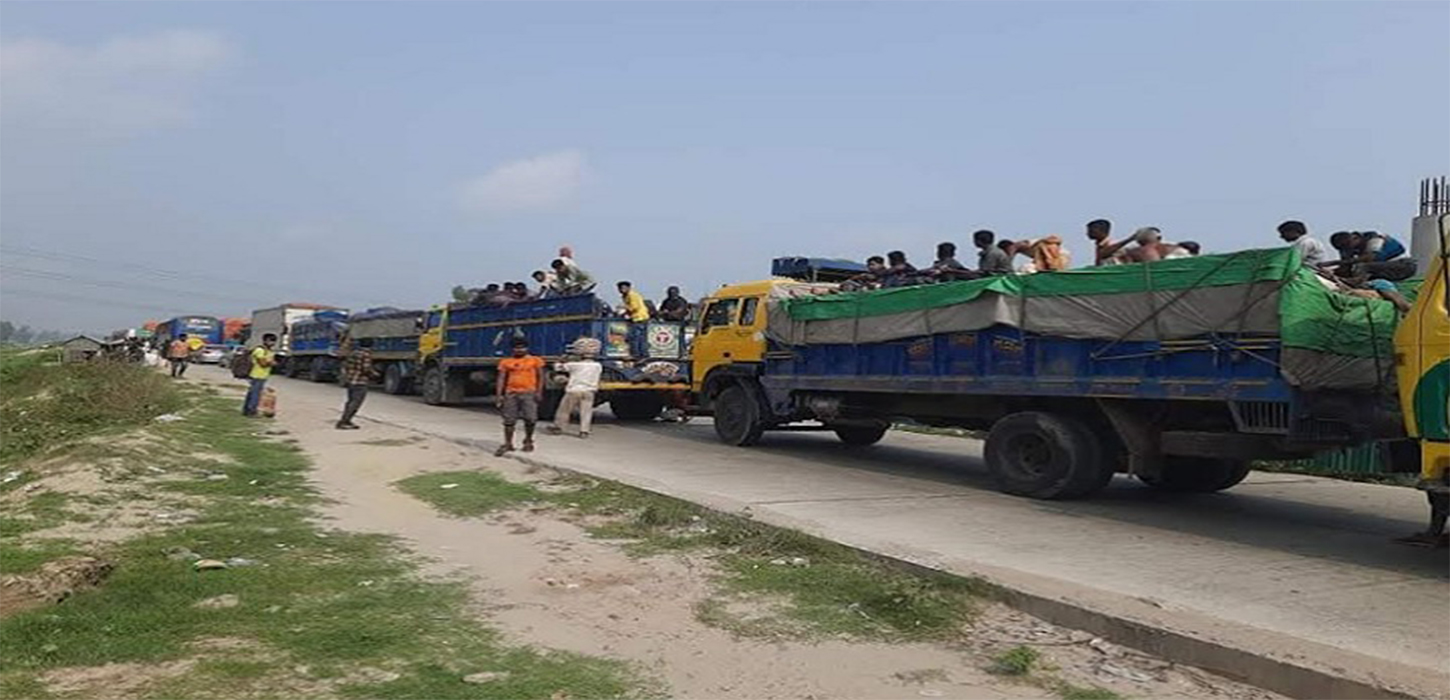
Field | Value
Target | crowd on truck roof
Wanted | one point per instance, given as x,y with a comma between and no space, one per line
1369,262
566,278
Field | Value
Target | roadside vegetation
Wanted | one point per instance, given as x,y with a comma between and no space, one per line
771,583
817,587
213,578
1025,664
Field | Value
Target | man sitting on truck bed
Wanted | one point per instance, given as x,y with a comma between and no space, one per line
674,307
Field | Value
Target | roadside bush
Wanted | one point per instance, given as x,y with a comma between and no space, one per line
43,406
1017,661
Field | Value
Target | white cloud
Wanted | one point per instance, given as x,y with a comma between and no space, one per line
120,85
542,182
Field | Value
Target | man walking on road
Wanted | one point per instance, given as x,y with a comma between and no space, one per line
263,358
357,373
579,392
520,390
179,353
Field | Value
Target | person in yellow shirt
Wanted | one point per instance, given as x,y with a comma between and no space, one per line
263,358
634,307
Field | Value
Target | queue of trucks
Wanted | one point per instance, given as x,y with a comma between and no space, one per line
1181,373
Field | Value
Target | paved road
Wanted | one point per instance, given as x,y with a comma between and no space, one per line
1293,567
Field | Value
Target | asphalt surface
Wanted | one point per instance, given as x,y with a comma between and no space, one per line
1288,566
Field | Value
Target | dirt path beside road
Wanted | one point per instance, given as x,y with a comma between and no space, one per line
540,577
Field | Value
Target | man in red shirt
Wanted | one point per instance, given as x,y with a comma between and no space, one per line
520,390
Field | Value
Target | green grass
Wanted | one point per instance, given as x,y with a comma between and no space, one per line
838,590
42,511
1025,663
43,405
1017,661
472,493
328,600
16,558
1068,691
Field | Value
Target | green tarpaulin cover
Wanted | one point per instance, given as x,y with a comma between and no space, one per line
1311,315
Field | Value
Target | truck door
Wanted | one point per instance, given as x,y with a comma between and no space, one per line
731,331
715,341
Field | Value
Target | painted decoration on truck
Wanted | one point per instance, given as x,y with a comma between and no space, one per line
664,340
616,342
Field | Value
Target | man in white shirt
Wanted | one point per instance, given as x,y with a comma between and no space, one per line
579,393
1311,251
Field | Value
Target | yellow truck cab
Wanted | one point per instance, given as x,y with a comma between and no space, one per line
730,340
1422,353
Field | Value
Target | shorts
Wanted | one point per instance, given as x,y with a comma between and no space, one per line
520,405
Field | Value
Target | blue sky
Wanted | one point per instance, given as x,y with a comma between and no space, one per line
219,157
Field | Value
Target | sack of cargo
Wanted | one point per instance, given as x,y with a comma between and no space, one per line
242,363
268,405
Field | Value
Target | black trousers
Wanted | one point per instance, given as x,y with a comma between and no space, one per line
355,395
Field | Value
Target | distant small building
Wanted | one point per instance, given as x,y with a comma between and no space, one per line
81,348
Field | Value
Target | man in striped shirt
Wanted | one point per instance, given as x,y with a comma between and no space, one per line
357,373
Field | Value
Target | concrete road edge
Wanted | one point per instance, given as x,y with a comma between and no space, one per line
1281,663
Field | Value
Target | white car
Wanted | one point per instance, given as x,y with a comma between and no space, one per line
209,355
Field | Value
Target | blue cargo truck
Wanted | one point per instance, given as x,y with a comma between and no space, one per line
314,346
1180,372
462,344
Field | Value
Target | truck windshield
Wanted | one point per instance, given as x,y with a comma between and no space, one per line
720,313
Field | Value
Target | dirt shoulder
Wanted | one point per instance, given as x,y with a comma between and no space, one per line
708,606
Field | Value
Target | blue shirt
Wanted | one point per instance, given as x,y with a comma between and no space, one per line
1384,247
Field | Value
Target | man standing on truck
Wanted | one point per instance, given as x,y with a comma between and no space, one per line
263,359
520,390
634,307
357,373
179,352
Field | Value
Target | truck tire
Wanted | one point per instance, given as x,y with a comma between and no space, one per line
636,405
393,381
1198,474
737,416
293,368
860,435
440,388
318,371
1044,455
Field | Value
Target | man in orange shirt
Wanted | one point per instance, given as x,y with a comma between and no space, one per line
520,390
179,352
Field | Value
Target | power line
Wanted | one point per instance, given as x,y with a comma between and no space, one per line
59,256
130,286
164,311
